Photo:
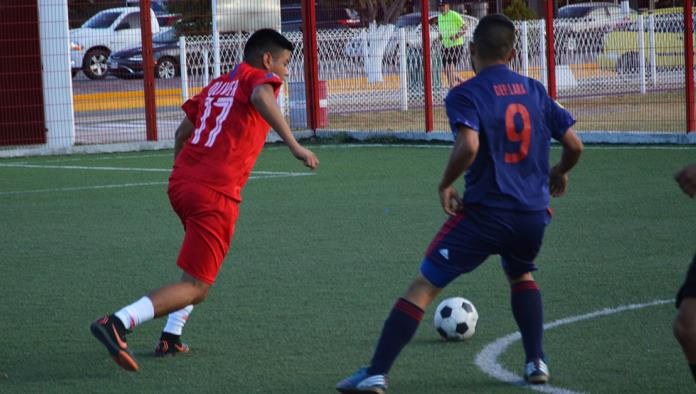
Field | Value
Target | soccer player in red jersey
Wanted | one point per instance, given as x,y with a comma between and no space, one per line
685,322
216,146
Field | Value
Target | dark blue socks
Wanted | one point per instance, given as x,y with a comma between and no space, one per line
398,330
528,311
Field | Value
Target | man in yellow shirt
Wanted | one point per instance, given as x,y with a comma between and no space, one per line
452,29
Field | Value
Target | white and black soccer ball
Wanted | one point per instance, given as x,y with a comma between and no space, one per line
455,319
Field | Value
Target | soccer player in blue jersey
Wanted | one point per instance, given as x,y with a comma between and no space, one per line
685,322
503,123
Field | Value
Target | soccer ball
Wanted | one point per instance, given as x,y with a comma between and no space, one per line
455,319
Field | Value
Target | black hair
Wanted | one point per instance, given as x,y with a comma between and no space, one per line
265,40
494,37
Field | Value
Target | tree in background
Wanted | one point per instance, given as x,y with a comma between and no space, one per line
379,11
196,16
81,10
518,10
379,16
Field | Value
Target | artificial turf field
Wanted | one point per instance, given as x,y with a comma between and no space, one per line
317,262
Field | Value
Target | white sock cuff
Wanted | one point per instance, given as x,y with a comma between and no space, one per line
136,313
177,320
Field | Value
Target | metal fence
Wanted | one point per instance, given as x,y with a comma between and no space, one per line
591,64
623,73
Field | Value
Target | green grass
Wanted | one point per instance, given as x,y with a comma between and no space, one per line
315,265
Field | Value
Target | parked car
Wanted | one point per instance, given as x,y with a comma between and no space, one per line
621,49
129,63
583,25
107,31
327,17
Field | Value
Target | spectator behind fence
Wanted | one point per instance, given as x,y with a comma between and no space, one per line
452,29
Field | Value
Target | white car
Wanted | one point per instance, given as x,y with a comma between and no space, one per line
582,26
107,31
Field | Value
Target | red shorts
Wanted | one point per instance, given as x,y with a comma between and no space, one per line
208,218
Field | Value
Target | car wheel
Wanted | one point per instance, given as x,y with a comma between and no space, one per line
627,63
166,68
95,65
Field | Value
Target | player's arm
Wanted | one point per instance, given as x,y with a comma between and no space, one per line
466,145
558,176
183,132
263,98
686,178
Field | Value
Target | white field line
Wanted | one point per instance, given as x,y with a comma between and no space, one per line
94,157
90,168
487,359
135,169
264,175
449,146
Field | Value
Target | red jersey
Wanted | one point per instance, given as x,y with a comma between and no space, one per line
229,132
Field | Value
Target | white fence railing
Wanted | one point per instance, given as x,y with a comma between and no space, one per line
605,58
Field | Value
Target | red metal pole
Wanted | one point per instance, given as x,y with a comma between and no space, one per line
148,71
311,63
689,65
550,61
427,73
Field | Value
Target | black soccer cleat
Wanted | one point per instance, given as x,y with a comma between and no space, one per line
108,334
166,347
536,372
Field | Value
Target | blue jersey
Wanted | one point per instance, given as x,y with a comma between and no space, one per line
515,119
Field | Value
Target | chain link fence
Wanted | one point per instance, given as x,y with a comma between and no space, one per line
593,64
620,73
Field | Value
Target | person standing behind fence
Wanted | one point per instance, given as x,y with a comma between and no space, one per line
452,29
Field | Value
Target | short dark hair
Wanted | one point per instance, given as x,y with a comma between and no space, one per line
265,40
494,36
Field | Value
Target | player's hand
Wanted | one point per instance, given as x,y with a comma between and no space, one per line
449,198
306,156
686,178
558,182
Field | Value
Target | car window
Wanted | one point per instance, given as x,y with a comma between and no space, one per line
166,36
407,20
133,21
291,13
102,20
573,12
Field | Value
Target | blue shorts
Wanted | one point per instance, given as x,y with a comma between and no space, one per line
468,239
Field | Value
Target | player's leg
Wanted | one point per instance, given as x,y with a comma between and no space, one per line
169,299
398,330
527,308
111,330
445,260
685,331
170,340
685,322
209,221
525,295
